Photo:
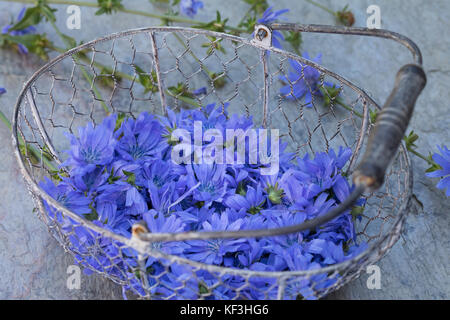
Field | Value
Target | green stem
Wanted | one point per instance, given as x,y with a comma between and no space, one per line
187,100
5,120
339,102
135,12
83,70
132,78
32,149
245,15
322,7
161,17
96,64
210,74
421,156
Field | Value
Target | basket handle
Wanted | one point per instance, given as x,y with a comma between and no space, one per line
393,120
382,146
390,126
384,140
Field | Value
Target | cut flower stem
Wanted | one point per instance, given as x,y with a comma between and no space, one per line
129,11
30,148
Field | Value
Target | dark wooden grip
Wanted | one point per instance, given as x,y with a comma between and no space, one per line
390,126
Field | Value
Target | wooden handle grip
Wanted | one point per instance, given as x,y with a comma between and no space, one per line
390,126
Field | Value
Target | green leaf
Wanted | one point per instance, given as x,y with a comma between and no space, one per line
181,90
218,79
241,189
28,154
202,288
31,17
35,43
256,209
69,41
217,25
410,140
93,215
120,119
434,166
48,13
46,153
182,93
213,45
330,95
148,81
356,212
248,23
108,6
108,77
112,178
131,177
58,174
34,15
257,6
373,115
160,1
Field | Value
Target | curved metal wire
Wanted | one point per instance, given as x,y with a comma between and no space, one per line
142,242
311,224
258,233
380,33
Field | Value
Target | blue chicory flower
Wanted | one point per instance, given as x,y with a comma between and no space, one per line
303,81
252,202
121,175
140,139
208,180
214,251
200,91
178,284
67,196
27,30
270,16
158,222
443,160
93,147
190,7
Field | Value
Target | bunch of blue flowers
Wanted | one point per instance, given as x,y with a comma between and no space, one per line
120,172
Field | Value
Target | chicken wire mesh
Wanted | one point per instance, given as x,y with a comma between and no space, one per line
139,70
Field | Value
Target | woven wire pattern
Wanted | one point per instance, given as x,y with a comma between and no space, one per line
76,89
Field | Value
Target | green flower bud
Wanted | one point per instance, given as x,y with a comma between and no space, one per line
275,194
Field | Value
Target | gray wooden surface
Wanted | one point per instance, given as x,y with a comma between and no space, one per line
32,265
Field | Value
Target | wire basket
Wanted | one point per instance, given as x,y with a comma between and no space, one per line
75,89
